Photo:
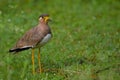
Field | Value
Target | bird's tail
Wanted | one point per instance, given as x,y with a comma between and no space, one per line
15,50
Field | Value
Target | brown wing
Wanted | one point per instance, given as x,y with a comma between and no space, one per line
29,40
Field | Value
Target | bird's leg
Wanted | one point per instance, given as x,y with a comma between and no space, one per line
39,61
33,67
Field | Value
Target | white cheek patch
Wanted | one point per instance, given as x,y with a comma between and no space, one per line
40,18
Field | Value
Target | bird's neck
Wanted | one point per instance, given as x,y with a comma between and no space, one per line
43,25
43,22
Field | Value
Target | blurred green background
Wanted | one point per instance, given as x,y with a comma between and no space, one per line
85,43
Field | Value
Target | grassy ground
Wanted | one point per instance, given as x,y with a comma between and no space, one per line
85,43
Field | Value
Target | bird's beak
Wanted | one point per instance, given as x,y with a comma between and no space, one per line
47,19
50,19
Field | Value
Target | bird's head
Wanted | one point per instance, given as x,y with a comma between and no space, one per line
44,18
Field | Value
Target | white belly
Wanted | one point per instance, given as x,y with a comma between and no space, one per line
45,39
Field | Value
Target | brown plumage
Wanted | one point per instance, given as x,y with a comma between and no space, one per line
33,37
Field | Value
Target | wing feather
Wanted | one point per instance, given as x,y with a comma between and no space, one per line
31,38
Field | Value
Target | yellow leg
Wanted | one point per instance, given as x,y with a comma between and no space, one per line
39,61
33,67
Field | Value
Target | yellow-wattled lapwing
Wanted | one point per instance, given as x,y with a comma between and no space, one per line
35,38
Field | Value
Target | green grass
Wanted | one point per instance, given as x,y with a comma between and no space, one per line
85,43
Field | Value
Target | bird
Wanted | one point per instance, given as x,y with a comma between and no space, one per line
35,38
